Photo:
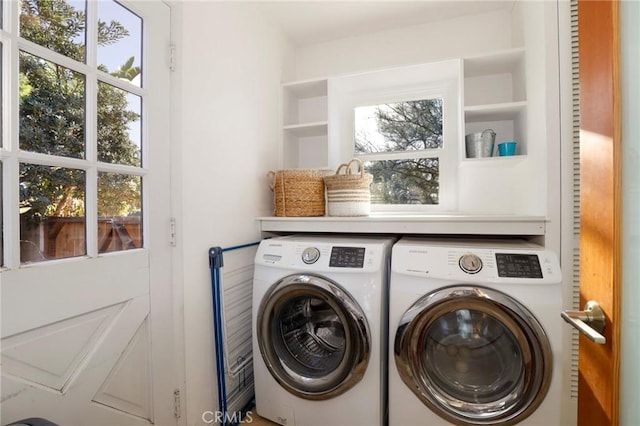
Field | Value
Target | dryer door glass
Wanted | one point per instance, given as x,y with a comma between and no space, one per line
313,336
474,355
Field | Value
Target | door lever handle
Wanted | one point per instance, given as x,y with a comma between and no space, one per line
589,322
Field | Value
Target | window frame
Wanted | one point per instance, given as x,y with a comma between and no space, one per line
412,83
12,156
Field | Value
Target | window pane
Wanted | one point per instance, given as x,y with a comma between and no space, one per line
119,41
404,181
58,25
119,212
402,126
52,108
52,213
119,130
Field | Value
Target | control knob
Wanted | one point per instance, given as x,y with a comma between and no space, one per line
470,263
310,255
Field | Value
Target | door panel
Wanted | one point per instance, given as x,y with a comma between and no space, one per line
96,283
630,318
89,340
600,207
79,358
474,355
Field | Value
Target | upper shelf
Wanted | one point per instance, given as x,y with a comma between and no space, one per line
508,60
307,88
494,112
318,128
410,224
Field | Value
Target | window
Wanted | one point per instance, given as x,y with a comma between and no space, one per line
404,125
400,142
72,148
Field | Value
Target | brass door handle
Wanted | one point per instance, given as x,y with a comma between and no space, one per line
589,322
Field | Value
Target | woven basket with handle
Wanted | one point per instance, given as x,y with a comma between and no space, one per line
297,192
348,192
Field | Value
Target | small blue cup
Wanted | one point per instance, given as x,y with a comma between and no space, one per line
507,148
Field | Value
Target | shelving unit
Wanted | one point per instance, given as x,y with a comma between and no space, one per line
495,96
489,190
304,124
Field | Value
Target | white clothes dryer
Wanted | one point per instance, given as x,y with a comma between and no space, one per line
320,317
475,333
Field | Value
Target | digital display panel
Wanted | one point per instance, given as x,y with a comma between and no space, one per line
518,265
347,257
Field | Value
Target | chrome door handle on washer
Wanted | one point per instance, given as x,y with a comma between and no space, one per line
589,322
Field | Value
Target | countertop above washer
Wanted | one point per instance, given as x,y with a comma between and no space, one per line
410,224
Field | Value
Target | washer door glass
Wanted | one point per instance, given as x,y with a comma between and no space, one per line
313,336
474,355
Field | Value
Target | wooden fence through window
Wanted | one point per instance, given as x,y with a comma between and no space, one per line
62,237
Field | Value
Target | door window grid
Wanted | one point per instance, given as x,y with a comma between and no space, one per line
11,156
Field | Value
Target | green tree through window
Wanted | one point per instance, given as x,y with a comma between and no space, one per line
53,120
411,128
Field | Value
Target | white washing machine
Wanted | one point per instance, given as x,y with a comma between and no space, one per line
475,333
320,317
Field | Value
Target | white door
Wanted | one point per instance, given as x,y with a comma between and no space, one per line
87,326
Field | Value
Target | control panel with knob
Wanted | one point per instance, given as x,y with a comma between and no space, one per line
310,255
470,263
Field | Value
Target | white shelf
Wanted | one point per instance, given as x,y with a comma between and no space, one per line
410,224
304,124
494,112
494,63
306,88
307,129
495,96
506,161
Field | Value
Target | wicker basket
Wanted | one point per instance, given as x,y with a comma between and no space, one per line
297,192
348,193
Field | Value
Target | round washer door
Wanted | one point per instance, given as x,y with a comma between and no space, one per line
313,336
474,356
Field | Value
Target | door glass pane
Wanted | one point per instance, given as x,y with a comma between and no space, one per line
119,41
119,212
119,132
52,213
52,108
58,25
472,357
310,337
414,181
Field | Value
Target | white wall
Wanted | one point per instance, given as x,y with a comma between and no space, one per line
230,63
411,45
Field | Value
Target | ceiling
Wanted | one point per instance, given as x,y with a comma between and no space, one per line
310,22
